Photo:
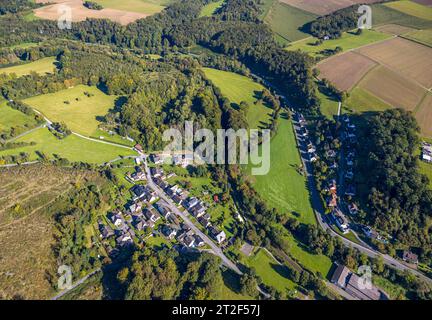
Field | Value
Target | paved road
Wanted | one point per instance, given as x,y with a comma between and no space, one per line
216,250
76,284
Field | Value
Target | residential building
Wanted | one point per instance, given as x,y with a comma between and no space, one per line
218,235
410,257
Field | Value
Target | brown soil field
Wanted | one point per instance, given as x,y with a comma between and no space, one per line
394,29
28,196
408,58
345,70
424,116
392,88
81,13
424,2
321,7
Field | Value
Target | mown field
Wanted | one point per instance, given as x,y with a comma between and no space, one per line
348,41
26,195
238,88
209,9
362,101
73,107
73,148
42,66
287,21
13,118
412,8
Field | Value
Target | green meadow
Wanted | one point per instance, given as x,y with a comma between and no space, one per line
284,188
412,8
74,108
361,100
383,14
73,148
141,6
286,21
348,41
209,9
238,88
13,118
42,66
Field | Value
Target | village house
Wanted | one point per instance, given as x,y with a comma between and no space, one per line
410,257
204,222
199,242
162,207
105,231
218,235
134,207
156,159
189,241
138,175
139,148
117,219
151,215
157,172
352,208
333,201
198,210
340,220
168,232
177,199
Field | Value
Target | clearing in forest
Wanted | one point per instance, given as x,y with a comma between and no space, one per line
42,66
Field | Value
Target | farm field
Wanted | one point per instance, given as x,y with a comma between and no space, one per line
392,88
403,56
26,229
270,271
348,41
13,118
324,7
424,115
81,13
286,21
238,88
383,15
80,113
424,2
412,8
394,29
42,66
73,148
345,70
148,7
422,36
283,187
211,8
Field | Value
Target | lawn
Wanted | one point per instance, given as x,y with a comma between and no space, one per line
329,106
270,271
238,88
149,7
13,118
209,9
42,66
74,108
73,148
361,100
411,8
283,187
348,41
286,21
426,169
422,36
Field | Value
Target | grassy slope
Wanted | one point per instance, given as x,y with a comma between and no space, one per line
140,6
329,106
209,9
11,118
361,100
270,271
426,169
79,116
73,148
285,21
42,66
238,88
348,41
411,8
422,36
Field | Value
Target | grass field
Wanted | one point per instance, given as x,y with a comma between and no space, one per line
286,21
362,101
422,36
42,66
72,148
329,106
141,6
80,115
411,8
395,291
426,169
238,88
13,118
270,271
209,9
283,187
385,15
348,41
